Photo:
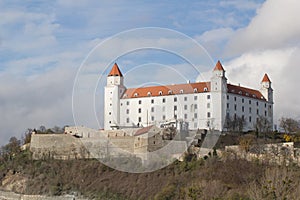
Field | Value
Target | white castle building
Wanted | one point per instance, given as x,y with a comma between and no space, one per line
202,105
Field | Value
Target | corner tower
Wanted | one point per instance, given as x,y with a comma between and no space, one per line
266,88
218,88
113,91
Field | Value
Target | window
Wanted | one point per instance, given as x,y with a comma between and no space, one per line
152,109
265,113
110,122
208,114
185,116
170,92
195,90
227,105
152,118
205,89
140,110
164,117
257,103
257,112
127,111
140,101
227,97
164,100
140,119
235,107
175,107
249,101
185,107
127,103
195,115
127,120
109,113
234,98
185,98
195,98
208,105
160,93
135,94
175,99
250,110
149,94
152,101
242,100
195,106
181,91
243,108
265,105
208,96
249,118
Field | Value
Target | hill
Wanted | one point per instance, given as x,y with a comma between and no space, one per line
212,178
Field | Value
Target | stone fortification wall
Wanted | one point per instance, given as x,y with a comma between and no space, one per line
58,146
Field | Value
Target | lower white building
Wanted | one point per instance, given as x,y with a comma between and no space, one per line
202,105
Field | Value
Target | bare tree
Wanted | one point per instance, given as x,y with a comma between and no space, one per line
263,125
289,125
235,124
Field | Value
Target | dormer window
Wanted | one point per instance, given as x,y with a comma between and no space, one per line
240,92
135,94
205,89
125,95
195,90
170,92
247,94
160,93
254,95
181,91
149,94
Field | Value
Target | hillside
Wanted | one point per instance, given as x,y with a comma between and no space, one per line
192,179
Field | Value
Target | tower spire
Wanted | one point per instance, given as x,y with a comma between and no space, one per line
266,79
219,66
115,71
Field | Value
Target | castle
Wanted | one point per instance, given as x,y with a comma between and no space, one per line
201,105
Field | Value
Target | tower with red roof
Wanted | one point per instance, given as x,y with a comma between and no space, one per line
112,94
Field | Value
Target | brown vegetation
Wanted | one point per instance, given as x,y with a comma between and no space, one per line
190,179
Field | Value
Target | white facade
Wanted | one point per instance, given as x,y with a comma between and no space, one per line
205,105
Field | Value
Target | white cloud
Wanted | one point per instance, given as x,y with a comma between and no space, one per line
281,66
276,25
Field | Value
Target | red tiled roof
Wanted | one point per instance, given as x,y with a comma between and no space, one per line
115,71
167,90
247,92
266,78
143,130
219,66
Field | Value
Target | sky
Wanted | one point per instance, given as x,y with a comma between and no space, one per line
54,54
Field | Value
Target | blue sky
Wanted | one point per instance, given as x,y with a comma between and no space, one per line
43,43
